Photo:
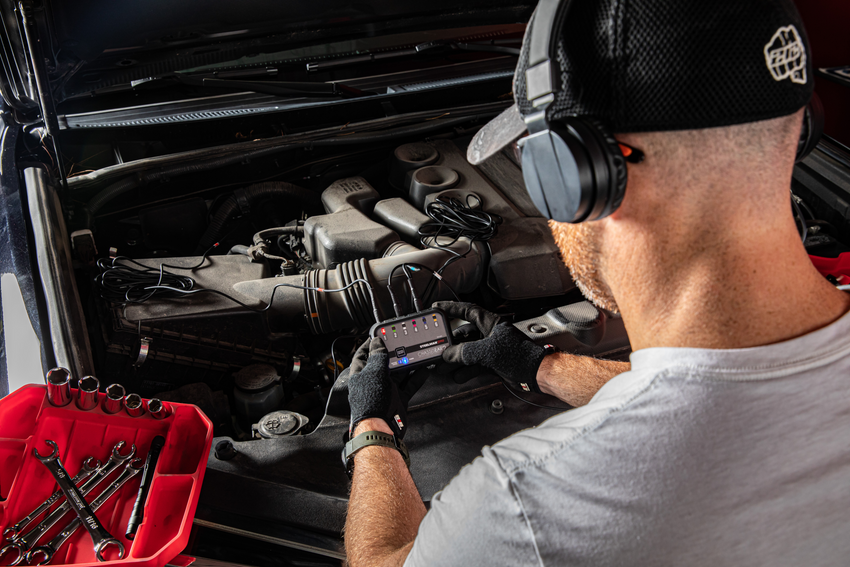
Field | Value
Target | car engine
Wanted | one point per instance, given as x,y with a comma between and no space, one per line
243,278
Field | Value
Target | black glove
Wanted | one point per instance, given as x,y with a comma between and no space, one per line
504,349
371,392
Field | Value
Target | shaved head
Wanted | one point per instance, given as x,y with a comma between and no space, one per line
685,191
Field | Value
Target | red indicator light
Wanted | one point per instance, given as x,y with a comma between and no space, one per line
414,322
383,331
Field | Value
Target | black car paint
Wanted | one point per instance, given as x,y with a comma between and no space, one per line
16,250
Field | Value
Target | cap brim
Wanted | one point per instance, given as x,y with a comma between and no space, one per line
495,135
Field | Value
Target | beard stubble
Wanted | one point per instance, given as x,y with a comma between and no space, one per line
580,250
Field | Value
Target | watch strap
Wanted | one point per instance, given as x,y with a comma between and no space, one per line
367,439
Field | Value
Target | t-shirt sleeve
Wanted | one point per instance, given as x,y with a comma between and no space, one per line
476,520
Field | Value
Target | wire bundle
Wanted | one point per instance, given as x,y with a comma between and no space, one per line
125,284
453,219
120,281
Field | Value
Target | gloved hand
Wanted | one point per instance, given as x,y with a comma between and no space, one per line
371,392
504,348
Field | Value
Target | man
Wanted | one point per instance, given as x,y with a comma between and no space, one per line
727,439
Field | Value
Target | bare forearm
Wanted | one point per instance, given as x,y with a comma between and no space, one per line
384,510
575,379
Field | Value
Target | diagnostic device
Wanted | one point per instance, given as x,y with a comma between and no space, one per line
415,340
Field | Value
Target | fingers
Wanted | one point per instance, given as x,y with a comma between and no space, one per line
480,317
457,309
376,346
453,354
358,363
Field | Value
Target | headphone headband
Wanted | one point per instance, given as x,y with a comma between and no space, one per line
541,78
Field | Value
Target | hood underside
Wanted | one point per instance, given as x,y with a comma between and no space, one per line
88,45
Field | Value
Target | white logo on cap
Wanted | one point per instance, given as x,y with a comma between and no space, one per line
786,56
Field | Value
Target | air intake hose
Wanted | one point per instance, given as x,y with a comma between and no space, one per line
250,196
330,311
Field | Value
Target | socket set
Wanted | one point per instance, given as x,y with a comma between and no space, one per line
138,466
116,398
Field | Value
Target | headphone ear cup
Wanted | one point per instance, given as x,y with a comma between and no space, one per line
615,170
812,130
557,173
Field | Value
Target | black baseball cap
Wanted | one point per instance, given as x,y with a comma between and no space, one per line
660,65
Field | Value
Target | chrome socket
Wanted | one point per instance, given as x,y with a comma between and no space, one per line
114,400
133,405
58,387
157,409
87,390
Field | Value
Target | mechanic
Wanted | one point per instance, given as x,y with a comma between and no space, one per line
726,441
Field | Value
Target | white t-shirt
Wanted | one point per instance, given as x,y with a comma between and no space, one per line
694,457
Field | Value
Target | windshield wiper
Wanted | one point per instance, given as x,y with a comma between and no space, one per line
430,48
275,88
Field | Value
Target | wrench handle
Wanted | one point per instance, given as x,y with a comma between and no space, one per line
21,525
99,535
53,546
29,539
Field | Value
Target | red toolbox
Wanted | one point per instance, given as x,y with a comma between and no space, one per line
27,420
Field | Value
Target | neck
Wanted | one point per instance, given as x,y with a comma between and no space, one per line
744,283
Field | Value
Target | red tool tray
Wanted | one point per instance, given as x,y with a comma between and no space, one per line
27,419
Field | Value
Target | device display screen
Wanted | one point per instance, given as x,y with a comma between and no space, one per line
415,339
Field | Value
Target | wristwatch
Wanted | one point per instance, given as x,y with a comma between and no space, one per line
368,438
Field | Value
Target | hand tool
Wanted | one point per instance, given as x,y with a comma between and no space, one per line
90,466
157,409
101,538
87,389
58,386
114,400
133,405
138,513
49,550
25,542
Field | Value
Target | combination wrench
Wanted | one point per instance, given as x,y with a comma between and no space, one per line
101,538
25,542
12,532
47,551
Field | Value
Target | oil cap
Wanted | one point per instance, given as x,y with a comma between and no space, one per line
279,423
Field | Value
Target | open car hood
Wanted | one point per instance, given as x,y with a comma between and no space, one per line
88,45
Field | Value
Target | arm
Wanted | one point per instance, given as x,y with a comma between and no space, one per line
575,379
524,364
384,510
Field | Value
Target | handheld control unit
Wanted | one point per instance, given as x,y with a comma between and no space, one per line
415,340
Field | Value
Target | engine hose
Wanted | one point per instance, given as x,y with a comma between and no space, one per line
327,312
252,195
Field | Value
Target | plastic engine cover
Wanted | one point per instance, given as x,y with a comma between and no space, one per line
346,233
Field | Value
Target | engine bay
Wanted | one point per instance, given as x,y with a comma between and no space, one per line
243,280
246,315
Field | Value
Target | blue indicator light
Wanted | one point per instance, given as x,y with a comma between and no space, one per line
405,360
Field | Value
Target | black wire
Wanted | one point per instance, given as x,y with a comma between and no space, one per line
413,296
437,276
520,398
452,218
333,353
123,284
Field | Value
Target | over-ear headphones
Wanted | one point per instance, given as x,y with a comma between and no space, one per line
574,169
812,128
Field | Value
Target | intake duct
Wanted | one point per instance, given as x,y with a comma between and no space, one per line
326,312
323,312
